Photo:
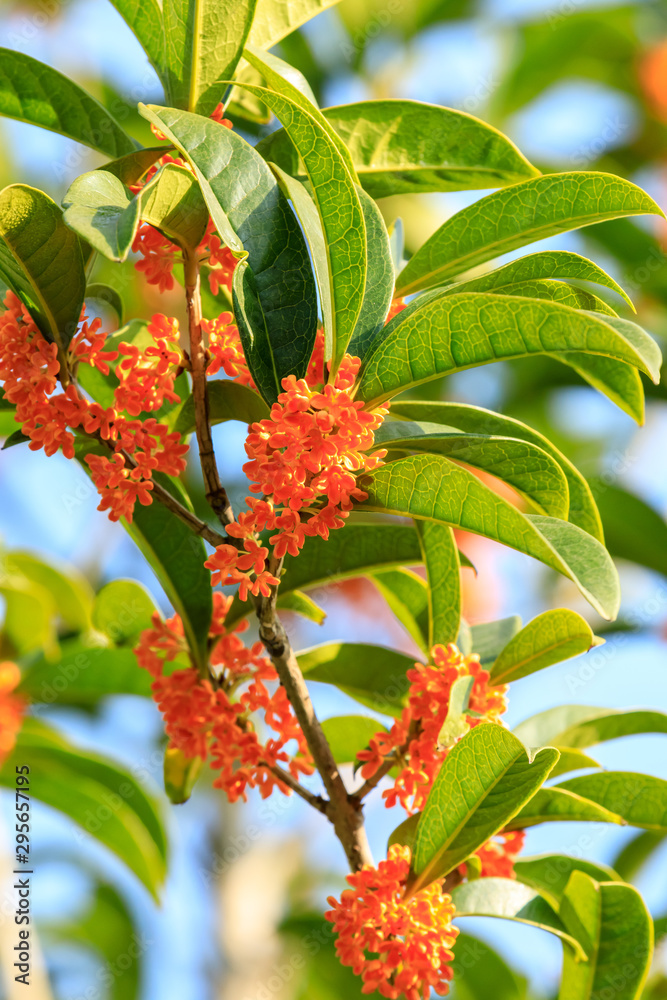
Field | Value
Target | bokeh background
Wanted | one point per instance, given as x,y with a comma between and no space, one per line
577,84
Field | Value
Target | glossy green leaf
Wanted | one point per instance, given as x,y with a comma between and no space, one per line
483,782
42,260
177,558
172,202
347,734
633,530
339,209
379,280
203,42
227,400
617,381
550,873
407,595
615,929
488,639
552,637
557,805
441,560
408,147
559,291
581,726
253,217
530,470
301,604
357,551
32,92
515,216
449,333
131,168
98,795
274,19
144,18
83,673
549,264
476,420
431,488
640,799
572,760
103,212
508,899
123,609
373,675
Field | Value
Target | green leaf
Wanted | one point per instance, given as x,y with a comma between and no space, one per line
488,639
253,217
633,530
130,168
558,291
35,93
551,264
69,589
173,203
347,734
476,420
407,595
557,805
340,212
511,900
449,333
456,722
29,617
373,675
552,637
431,488
443,573
616,931
108,297
407,147
227,400
203,43
550,873
483,782
520,214
581,726
83,674
532,472
635,853
358,550
480,972
123,609
640,799
177,558
41,259
301,604
101,797
103,212
275,19
379,280
617,381
572,760
144,18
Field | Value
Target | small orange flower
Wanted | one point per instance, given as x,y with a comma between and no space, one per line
498,855
400,947
12,708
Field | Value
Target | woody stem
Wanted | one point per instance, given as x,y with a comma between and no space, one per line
216,494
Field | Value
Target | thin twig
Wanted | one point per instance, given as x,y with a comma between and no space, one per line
216,494
316,801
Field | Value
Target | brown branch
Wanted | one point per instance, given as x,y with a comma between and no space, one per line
386,767
216,494
316,801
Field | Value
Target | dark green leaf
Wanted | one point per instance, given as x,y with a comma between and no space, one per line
480,972
374,675
407,595
379,280
227,401
33,92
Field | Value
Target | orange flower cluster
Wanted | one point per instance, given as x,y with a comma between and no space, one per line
400,947
211,719
497,856
11,708
29,368
414,739
304,458
225,349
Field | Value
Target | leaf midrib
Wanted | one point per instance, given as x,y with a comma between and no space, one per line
498,678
